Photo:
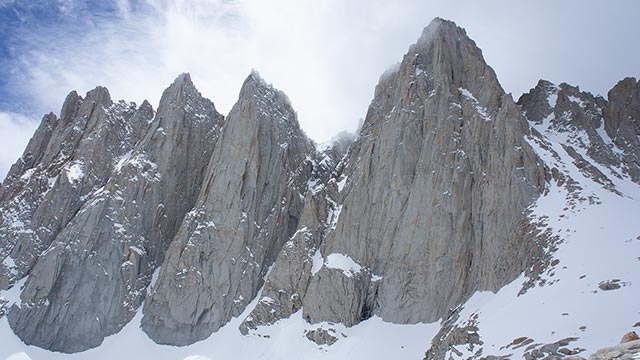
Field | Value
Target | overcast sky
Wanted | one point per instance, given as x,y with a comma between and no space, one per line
326,55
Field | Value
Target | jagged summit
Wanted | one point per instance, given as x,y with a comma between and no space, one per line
99,94
587,122
444,61
543,99
181,81
539,100
183,78
181,91
624,112
254,81
440,122
254,75
248,207
448,52
437,27
255,86
121,181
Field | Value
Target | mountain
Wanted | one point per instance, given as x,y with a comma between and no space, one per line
457,224
584,292
90,269
248,207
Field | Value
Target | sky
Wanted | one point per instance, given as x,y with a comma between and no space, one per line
327,56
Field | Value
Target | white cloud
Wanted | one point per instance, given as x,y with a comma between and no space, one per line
327,63
15,132
325,55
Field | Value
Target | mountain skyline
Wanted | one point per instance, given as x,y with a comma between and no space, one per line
464,219
325,59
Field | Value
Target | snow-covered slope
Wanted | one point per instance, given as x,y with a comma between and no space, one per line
600,245
587,296
372,339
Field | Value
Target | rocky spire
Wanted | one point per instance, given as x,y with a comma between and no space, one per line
584,123
434,190
623,111
622,123
568,130
249,206
92,278
287,282
437,187
66,160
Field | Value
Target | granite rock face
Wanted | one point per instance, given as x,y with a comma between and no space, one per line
434,190
437,188
67,159
571,126
286,284
622,123
250,205
590,127
89,282
421,198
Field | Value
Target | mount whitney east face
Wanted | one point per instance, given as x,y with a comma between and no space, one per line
454,205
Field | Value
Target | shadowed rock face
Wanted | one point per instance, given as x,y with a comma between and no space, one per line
249,206
622,122
88,283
